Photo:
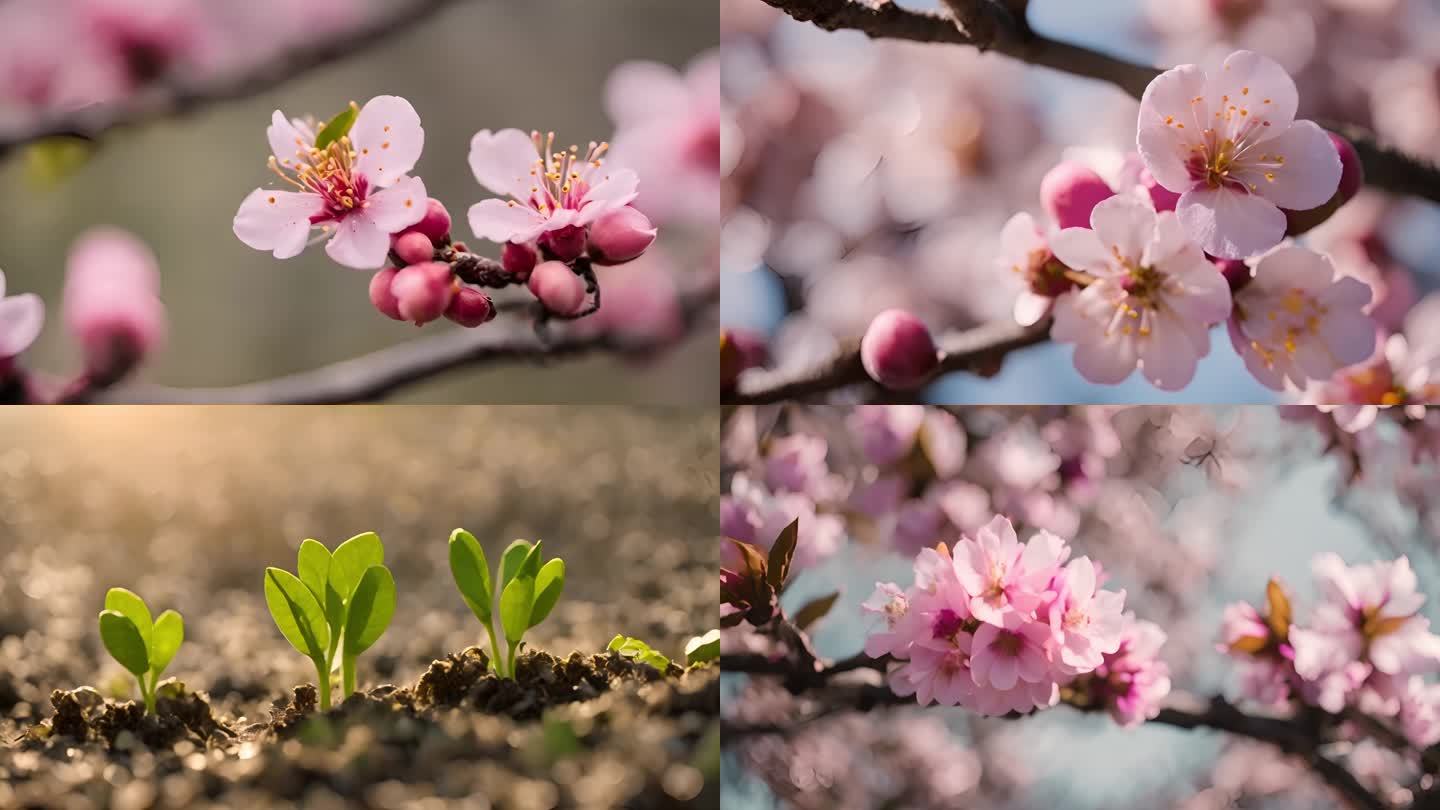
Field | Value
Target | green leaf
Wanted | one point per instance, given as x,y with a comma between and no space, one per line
352,559
515,603
531,566
131,606
371,609
122,639
313,566
337,127
511,561
472,573
638,650
53,160
165,639
703,649
549,584
297,613
781,553
815,609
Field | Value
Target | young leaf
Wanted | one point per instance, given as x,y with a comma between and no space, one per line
515,604
122,639
781,553
337,127
530,567
640,651
815,609
313,567
352,559
754,559
703,649
1277,614
549,584
297,613
130,605
472,573
511,561
371,609
165,639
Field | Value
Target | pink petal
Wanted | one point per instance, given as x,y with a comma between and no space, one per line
1167,241
21,319
1082,318
1032,665
1004,671
614,192
1350,336
1171,96
1167,357
1081,249
359,243
1164,150
1268,375
388,139
503,221
1031,308
1309,175
396,208
1125,225
1019,237
1080,576
702,77
1196,292
1230,224
1248,81
286,140
502,162
638,91
278,221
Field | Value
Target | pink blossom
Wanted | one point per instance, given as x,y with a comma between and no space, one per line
356,190
891,602
1297,320
1404,372
886,432
1016,650
144,40
1084,621
1229,144
938,671
1152,302
1024,251
1070,191
1420,712
1002,574
549,189
21,318
1133,682
796,463
112,304
752,514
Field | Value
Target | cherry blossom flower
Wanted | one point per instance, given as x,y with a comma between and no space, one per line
891,602
357,190
112,304
1003,575
1404,372
1084,621
1133,682
548,189
21,318
1297,320
938,672
753,514
1025,252
1152,302
1010,652
886,432
1229,144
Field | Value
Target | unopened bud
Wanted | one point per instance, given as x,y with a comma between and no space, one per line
620,236
897,350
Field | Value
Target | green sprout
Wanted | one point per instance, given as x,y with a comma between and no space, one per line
143,646
340,603
525,594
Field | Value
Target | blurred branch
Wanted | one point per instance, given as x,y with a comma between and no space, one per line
378,375
993,25
980,350
178,96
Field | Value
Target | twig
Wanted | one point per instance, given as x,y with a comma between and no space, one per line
178,96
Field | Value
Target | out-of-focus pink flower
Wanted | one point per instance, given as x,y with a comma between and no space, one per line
1025,252
112,304
1404,372
752,514
1420,712
1133,682
668,129
1230,145
642,302
357,190
796,463
145,40
1070,191
21,318
886,432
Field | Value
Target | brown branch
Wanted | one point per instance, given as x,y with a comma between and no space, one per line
980,350
180,96
985,25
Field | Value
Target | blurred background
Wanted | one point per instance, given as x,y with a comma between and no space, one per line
869,174
237,314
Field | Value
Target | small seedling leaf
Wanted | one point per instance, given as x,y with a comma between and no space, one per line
549,584
122,639
515,604
815,610
511,561
371,609
337,127
472,573
297,613
531,566
129,604
638,650
352,559
313,567
703,649
165,639
781,553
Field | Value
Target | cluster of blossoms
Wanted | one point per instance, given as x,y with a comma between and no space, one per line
1364,646
1000,626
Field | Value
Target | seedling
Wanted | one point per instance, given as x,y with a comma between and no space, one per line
637,650
524,594
340,604
143,646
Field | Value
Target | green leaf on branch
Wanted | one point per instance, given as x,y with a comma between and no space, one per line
166,636
703,649
371,608
637,650
549,584
337,127
298,614
815,609
122,640
472,573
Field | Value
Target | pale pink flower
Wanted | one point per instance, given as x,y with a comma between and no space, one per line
1152,302
549,188
1002,574
21,318
938,672
1266,680
1242,623
1085,622
1420,712
1025,252
1297,320
142,41
796,463
1016,650
1230,145
891,603
112,304
753,514
1133,682
886,432
1404,372
357,190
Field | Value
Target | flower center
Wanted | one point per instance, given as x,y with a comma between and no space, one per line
1008,643
562,177
947,624
1076,619
330,173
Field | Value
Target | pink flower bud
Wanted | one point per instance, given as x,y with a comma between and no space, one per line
382,296
414,247
519,259
558,288
436,224
423,291
1352,177
620,236
897,350
564,244
111,301
1163,198
1070,191
470,308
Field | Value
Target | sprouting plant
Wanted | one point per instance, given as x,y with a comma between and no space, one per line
524,593
340,603
143,646
703,649
637,650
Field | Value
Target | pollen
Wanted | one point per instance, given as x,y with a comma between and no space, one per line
1244,91
272,200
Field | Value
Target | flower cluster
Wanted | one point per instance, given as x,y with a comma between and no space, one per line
1363,646
999,626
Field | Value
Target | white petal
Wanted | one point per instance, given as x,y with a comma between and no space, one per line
503,221
1019,237
396,208
287,141
1302,170
1167,241
359,243
614,192
1164,150
1031,308
1230,224
21,319
1080,249
1125,225
1172,96
278,221
1082,318
1167,358
503,161
388,139
1258,85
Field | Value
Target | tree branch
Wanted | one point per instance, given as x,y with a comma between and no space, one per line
981,24
178,96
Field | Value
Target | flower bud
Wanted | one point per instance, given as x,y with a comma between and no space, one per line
435,225
1162,198
423,291
414,247
470,308
740,350
897,350
1070,191
382,296
1352,177
620,236
111,303
519,259
564,244
558,288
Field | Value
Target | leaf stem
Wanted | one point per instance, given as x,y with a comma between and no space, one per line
511,665
324,678
147,691
347,676
497,660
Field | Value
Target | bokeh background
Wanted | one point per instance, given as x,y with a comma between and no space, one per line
238,315
870,174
